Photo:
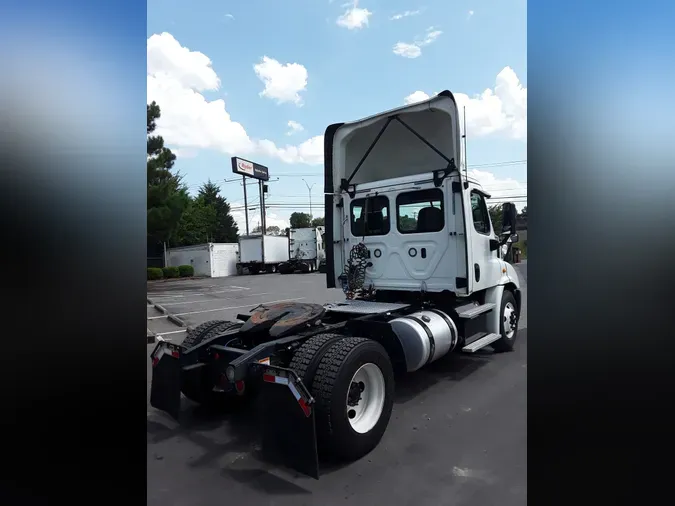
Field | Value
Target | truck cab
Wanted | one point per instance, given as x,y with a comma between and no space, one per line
396,184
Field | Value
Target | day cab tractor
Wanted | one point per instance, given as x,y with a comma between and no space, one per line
409,240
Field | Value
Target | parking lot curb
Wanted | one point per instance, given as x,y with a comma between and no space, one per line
172,318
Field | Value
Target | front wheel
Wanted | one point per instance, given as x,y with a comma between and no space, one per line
354,391
508,320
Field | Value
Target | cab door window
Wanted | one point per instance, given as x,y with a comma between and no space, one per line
420,211
479,211
370,216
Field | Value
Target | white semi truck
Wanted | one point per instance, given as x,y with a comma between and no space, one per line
410,241
261,253
306,250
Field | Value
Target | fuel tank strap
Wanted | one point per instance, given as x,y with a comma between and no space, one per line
427,330
451,326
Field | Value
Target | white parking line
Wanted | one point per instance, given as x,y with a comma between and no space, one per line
191,294
209,300
223,308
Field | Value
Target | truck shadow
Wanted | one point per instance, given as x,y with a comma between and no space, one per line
233,432
206,428
450,368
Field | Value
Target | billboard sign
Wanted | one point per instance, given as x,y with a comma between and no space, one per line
250,169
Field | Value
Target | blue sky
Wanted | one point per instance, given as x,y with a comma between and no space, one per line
350,60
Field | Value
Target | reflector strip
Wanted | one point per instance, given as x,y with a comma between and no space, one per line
296,394
281,380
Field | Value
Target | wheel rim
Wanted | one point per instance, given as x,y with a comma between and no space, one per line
365,398
509,321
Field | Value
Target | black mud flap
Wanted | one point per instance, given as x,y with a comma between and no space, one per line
166,379
289,432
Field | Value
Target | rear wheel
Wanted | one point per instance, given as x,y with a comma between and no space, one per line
306,359
197,385
354,391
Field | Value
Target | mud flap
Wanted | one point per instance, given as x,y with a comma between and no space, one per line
289,431
166,380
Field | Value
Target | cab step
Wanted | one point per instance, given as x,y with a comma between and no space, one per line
470,311
479,341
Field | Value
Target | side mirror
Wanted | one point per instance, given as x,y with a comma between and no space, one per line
514,238
509,219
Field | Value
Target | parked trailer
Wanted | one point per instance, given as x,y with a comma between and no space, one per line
211,259
262,253
411,243
306,250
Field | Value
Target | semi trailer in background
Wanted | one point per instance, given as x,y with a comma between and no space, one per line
261,253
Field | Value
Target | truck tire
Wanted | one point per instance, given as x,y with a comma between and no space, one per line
354,391
195,335
197,385
508,318
306,359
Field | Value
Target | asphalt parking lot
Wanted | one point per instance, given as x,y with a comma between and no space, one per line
457,436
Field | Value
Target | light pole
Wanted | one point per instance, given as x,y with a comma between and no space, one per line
309,188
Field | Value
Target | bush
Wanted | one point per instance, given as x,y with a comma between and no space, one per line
171,272
155,273
186,271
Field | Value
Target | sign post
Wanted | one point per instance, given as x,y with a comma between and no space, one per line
247,168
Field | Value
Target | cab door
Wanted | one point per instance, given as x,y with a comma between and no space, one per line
485,265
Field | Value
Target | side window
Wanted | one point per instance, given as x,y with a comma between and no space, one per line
370,216
420,211
481,217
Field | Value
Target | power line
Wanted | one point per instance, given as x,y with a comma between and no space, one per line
236,179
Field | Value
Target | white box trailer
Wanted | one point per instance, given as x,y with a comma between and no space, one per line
214,260
259,253
306,250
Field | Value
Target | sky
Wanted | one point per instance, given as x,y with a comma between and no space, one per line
263,79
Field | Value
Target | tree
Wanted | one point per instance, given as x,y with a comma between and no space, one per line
496,218
319,222
206,219
271,230
196,224
224,228
300,220
167,197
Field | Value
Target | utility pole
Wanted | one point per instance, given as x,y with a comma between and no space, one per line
243,179
309,188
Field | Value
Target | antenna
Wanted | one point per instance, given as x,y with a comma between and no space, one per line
466,165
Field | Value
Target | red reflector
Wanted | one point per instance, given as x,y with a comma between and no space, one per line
239,385
305,407
216,356
175,354
155,361
269,378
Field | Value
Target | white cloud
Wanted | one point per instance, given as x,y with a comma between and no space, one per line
191,69
414,49
415,96
407,50
501,190
229,16
498,110
295,127
283,82
470,14
405,14
190,122
309,152
354,17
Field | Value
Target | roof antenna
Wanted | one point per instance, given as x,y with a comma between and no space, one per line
466,165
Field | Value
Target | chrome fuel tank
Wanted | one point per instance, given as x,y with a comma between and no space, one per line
425,336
